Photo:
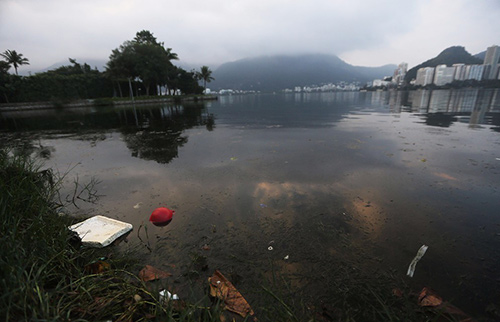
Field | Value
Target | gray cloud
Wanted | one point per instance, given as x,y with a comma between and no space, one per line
211,32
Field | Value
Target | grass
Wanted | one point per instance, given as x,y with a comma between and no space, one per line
44,273
43,266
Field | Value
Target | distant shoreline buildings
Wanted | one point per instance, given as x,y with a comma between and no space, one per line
443,74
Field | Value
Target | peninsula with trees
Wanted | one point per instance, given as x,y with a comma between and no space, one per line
142,66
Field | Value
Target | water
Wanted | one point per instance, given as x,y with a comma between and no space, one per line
395,170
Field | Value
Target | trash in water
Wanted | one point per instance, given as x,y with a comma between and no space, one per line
263,205
286,257
234,159
138,205
161,216
166,295
150,273
420,253
100,231
221,288
270,248
205,247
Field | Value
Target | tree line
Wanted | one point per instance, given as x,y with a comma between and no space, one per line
141,66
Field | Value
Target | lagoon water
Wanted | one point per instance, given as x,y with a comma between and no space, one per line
391,170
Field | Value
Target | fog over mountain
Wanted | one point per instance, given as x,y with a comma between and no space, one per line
281,71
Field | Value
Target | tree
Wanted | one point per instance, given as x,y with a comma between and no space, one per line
144,58
205,74
4,80
14,59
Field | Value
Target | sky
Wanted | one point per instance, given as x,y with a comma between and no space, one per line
212,32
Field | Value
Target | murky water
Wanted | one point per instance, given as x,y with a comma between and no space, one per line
395,170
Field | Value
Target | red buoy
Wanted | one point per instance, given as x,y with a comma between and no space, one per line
161,216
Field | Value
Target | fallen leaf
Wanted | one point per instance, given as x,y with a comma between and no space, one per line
150,273
397,292
223,289
428,297
97,267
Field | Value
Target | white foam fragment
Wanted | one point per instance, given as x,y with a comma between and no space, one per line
100,231
413,264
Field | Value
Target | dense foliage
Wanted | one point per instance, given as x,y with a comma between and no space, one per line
140,66
146,59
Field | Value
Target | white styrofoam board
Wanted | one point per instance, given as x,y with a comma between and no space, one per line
100,231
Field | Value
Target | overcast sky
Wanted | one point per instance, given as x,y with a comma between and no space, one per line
210,32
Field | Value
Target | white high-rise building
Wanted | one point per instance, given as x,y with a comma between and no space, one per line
460,72
425,76
475,72
400,73
443,75
491,59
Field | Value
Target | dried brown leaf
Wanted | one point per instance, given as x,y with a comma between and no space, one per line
223,289
429,298
97,267
150,273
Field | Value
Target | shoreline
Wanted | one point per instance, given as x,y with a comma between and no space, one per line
8,107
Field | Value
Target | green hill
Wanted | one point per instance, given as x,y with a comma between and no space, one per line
272,73
449,56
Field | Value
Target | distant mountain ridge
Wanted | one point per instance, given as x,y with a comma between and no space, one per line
271,73
449,56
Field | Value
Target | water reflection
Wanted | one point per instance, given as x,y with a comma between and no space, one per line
442,108
151,133
386,167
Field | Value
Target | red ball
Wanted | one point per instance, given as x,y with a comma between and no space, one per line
161,216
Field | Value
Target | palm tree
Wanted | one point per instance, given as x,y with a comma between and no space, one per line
206,75
171,55
14,59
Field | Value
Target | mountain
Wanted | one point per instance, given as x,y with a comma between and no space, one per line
481,55
270,73
449,56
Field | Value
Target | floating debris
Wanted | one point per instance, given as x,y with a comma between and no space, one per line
161,216
100,231
420,253
166,295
